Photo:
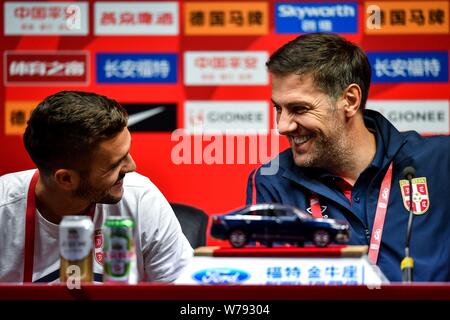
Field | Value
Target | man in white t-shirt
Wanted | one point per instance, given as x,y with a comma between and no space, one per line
81,146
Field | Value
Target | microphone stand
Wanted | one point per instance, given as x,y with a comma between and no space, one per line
407,264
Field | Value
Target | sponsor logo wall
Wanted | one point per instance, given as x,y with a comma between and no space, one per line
231,117
424,116
240,18
403,67
156,117
316,17
200,66
45,18
37,68
216,68
136,68
408,17
136,18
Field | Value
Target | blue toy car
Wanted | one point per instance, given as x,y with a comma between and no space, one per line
272,222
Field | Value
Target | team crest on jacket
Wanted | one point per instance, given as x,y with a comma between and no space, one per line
421,199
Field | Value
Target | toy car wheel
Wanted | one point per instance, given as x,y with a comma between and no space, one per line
321,238
238,238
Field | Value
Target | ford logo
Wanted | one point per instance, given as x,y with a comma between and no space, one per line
221,276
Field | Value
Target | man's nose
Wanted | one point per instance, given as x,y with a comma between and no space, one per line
131,165
285,123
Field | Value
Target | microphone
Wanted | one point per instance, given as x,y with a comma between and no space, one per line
407,264
409,173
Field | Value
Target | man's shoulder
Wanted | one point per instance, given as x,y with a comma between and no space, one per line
438,140
139,191
432,143
138,183
134,179
14,186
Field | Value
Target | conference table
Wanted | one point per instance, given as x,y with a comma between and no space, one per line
255,301
165,301
149,291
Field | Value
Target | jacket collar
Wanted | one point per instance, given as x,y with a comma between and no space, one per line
390,137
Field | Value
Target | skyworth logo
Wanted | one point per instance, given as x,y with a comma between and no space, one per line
316,17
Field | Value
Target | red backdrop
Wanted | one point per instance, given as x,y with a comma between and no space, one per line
214,188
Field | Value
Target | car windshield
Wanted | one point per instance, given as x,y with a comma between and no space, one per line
301,214
272,210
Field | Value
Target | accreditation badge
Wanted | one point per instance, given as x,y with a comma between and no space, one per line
421,199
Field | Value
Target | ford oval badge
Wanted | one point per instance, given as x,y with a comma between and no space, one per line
221,276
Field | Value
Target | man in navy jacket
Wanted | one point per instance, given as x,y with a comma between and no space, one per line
348,163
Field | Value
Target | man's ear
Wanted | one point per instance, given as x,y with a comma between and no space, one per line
67,179
352,99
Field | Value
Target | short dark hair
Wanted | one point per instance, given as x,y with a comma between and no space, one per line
64,129
334,63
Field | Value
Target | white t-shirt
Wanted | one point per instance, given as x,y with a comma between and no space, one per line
162,250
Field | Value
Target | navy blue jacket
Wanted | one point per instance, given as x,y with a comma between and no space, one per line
430,156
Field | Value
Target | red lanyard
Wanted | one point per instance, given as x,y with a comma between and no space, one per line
30,227
316,209
380,214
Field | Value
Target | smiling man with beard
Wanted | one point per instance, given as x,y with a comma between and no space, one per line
349,163
80,144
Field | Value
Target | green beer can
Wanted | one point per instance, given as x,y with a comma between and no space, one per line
119,250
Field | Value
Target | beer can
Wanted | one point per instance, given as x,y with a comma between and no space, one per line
119,250
76,248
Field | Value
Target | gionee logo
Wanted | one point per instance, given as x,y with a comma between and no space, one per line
196,119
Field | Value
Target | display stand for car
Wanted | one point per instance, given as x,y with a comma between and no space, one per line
284,265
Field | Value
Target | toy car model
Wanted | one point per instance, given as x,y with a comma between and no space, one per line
272,222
